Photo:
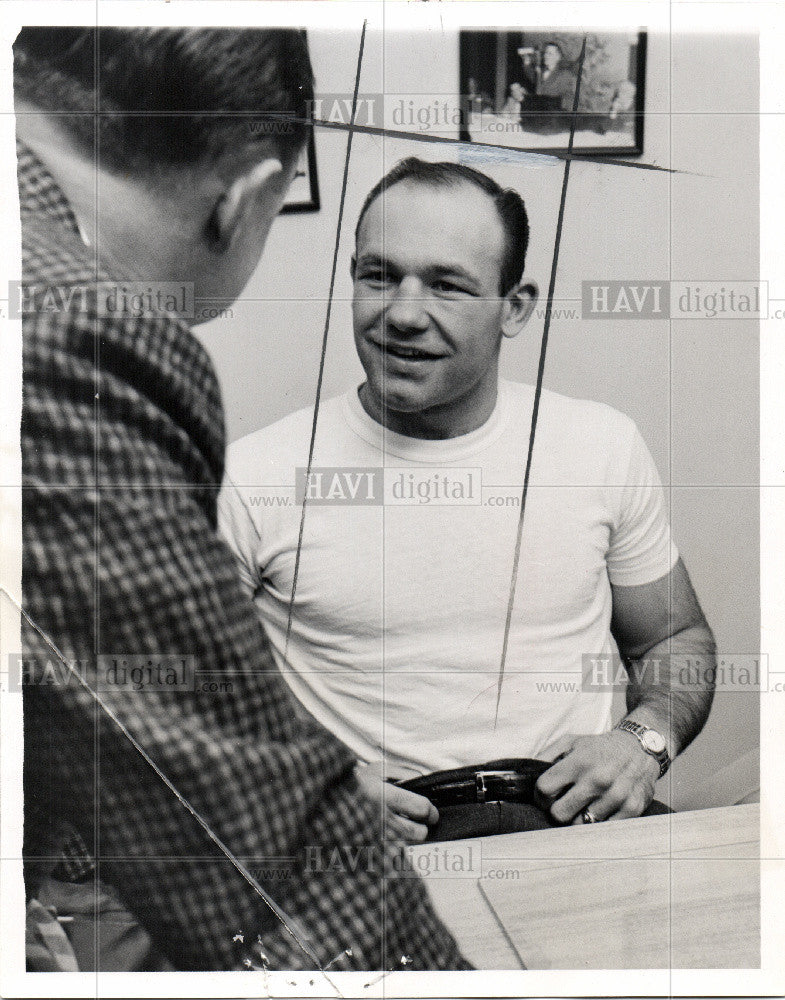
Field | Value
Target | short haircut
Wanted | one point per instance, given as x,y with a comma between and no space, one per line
508,203
151,98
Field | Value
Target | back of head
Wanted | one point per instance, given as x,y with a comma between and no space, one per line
151,98
508,203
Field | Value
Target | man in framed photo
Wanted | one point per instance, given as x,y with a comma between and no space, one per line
550,86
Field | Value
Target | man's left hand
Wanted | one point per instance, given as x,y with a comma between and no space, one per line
610,774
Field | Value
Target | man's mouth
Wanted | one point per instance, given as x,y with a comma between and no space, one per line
409,353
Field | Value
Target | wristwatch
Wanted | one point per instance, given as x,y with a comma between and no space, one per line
652,742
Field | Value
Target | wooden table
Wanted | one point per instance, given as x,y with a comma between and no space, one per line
679,891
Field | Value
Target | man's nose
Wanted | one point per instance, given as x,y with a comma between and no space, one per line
406,307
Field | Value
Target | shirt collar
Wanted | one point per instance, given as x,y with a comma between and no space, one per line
39,193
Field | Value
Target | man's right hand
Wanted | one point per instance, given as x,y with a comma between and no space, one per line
407,815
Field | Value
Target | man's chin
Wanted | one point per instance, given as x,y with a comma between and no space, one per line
399,396
404,403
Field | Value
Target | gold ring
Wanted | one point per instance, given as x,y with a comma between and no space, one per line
588,816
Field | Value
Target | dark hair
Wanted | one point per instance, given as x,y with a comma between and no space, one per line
509,206
158,97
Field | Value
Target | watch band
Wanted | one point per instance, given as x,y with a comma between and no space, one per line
649,743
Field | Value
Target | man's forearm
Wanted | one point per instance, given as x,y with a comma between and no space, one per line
671,687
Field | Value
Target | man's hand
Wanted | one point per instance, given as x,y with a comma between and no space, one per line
407,815
609,774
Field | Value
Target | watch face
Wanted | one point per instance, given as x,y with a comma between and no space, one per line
654,742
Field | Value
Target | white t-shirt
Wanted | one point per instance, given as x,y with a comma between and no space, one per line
399,612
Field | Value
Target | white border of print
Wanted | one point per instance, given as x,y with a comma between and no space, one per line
769,20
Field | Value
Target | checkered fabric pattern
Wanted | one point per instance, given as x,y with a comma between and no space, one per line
122,443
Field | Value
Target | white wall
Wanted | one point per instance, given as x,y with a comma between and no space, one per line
691,386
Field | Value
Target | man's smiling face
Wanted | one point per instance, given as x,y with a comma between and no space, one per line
427,307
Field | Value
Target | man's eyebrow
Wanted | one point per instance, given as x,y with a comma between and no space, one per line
433,270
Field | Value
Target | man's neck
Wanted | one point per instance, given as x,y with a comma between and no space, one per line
72,174
107,207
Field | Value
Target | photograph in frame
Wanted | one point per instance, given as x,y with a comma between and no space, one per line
517,89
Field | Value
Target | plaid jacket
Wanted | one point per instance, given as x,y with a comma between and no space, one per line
122,445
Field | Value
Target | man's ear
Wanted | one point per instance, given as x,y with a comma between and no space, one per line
519,304
230,209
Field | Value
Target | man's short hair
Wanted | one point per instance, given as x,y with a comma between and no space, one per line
509,206
150,98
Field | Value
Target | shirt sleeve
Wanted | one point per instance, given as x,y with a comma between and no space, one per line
641,548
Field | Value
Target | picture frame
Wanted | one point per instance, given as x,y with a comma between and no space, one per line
517,89
303,195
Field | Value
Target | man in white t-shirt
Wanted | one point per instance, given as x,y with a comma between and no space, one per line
401,566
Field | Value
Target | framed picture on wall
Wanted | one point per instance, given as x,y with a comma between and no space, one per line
517,89
303,195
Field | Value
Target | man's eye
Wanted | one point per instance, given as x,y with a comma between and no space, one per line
375,277
450,288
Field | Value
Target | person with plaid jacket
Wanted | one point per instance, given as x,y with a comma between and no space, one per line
139,164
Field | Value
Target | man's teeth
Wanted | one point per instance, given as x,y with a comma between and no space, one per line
408,352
